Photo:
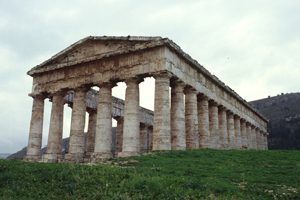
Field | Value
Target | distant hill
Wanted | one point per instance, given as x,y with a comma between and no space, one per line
65,147
283,111
4,155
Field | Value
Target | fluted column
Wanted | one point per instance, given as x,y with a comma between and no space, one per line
203,122
230,130
119,135
249,136
214,125
178,139
103,136
76,144
143,138
90,139
36,129
261,141
258,139
150,138
191,119
54,146
161,127
244,134
253,133
223,128
237,130
131,129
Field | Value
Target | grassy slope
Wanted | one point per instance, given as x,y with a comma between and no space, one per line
190,174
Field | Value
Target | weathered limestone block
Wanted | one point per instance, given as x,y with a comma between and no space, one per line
76,144
131,129
178,138
36,129
249,136
150,138
143,138
237,130
230,130
90,140
253,133
223,128
214,125
54,146
191,119
203,122
161,127
261,141
119,135
258,139
244,134
103,137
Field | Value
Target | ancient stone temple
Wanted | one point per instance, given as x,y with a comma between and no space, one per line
199,112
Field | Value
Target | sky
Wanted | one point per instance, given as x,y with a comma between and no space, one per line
251,46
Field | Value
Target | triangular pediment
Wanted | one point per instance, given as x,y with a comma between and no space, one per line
92,47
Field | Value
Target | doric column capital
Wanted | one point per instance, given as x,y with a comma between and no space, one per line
190,90
248,124
134,80
177,83
163,74
222,108
202,97
82,89
119,119
243,120
41,96
213,103
237,117
107,84
91,111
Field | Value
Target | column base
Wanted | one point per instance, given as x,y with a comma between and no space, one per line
74,158
32,158
127,154
52,158
101,156
88,154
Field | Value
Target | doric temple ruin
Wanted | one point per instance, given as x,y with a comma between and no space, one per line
200,112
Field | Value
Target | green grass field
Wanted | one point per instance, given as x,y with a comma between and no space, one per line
191,174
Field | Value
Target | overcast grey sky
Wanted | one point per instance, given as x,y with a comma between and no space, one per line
252,46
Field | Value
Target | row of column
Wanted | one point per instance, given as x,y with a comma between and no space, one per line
191,121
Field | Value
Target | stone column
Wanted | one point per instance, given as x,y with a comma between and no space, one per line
253,133
143,138
262,142
214,125
203,122
90,139
237,130
223,128
161,127
266,141
76,144
131,129
230,130
249,136
191,119
36,129
103,137
150,138
258,139
244,134
178,139
119,136
54,146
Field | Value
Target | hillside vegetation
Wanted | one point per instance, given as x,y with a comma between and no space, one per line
191,174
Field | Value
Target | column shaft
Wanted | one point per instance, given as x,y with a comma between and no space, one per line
244,134
103,137
230,130
143,138
237,130
203,122
150,138
266,141
253,133
258,139
214,126
178,140
76,144
161,127
191,119
223,128
54,146
119,136
36,129
90,140
249,136
131,130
